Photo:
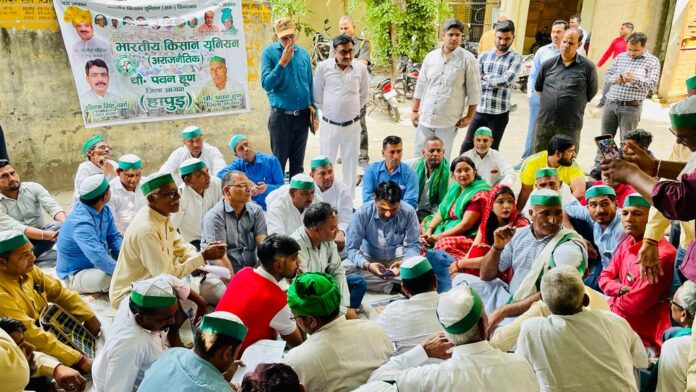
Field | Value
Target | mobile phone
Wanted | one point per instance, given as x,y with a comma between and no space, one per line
608,147
388,273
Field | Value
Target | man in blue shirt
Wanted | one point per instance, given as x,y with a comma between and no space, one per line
261,169
601,213
381,234
391,169
286,75
89,241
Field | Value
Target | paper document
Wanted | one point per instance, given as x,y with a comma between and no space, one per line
263,351
216,270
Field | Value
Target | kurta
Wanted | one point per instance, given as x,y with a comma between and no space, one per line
674,362
192,209
409,322
14,368
339,197
125,204
151,247
646,306
86,169
329,359
186,370
493,167
24,299
283,217
210,155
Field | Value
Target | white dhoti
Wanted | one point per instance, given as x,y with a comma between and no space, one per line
347,139
494,293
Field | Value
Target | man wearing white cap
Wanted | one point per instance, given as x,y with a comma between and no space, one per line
409,322
332,191
473,362
285,213
194,147
209,366
89,242
199,193
98,152
576,349
152,246
126,197
138,334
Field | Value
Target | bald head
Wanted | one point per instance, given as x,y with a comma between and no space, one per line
571,42
501,18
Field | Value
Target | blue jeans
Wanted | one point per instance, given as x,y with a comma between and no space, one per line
357,287
533,111
677,278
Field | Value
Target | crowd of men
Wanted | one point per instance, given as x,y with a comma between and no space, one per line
574,286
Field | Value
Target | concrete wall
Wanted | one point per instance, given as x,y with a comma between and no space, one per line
40,113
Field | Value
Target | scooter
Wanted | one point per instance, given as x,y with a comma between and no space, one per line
542,37
384,97
321,45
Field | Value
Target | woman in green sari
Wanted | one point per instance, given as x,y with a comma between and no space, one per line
460,211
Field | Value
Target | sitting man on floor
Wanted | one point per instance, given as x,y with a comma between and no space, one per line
381,234
89,242
23,205
547,178
530,251
257,295
433,177
409,322
194,147
126,197
152,246
276,377
328,359
263,170
491,164
643,304
19,279
391,169
469,360
98,152
335,192
621,190
576,349
286,211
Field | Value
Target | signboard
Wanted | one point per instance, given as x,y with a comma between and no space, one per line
28,14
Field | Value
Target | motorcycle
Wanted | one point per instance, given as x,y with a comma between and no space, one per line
542,37
520,82
321,44
405,84
384,96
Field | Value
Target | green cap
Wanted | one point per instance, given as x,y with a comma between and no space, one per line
11,240
224,323
691,83
599,190
93,187
545,197
635,200
314,294
217,59
156,181
546,172
235,140
91,142
191,165
130,162
225,14
414,267
320,161
191,131
459,309
302,181
155,292
485,131
683,113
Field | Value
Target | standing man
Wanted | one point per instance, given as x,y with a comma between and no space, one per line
341,89
616,47
433,179
126,197
574,23
194,147
286,75
498,68
566,84
487,40
448,84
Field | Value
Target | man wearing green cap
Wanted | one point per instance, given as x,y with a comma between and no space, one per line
433,179
335,192
221,92
98,152
547,178
314,299
468,357
126,197
209,366
25,291
631,297
194,147
285,213
227,21
89,241
491,165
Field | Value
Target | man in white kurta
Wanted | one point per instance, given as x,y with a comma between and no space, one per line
286,211
97,151
547,178
341,87
332,191
194,147
576,349
126,197
491,164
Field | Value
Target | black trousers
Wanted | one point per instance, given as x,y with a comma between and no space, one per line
289,138
497,124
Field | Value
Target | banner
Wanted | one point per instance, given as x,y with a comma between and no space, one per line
153,60
28,14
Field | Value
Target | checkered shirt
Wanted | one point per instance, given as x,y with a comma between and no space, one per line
646,74
497,73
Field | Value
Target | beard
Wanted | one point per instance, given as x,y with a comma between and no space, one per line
564,162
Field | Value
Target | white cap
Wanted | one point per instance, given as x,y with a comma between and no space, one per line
93,186
155,292
459,309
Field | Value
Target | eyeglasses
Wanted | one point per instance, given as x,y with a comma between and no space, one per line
346,52
173,194
671,300
681,140
245,187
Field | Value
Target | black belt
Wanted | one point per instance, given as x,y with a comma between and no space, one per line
343,124
629,103
296,113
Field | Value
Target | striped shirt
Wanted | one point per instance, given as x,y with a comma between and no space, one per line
497,73
645,70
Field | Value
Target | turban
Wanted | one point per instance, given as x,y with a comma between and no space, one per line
314,294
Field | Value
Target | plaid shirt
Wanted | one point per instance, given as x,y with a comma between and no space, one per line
497,72
646,74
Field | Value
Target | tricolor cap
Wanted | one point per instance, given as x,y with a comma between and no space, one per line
191,165
546,172
635,200
314,294
191,131
217,59
683,113
94,139
130,162
320,161
11,240
545,197
459,309
599,190
224,323
414,267
691,83
155,292
485,131
92,187
302,181
235,140
156,181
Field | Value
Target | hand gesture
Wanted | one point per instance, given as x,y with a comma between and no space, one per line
494,319
649,260
463,122
215,250
288,54
623,290
628,78
107,168
634,153
69,379
260,188
502,236
437,346
377,269
618,170
414,119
